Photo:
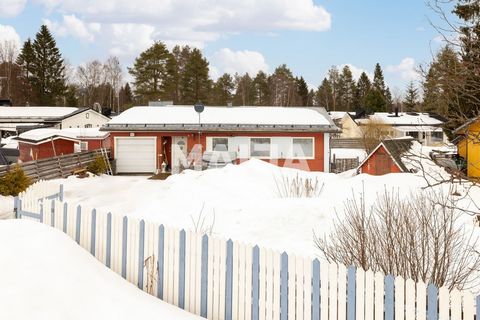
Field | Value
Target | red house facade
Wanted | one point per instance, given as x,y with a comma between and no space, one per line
148,139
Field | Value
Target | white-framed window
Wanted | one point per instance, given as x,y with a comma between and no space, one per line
260,147
83,146
303,148
437,136
220,144
89,125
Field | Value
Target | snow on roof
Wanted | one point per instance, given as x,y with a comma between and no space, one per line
9,142
403,119
336,115
345,153
36,112
85,132
419,128
37,135
222,115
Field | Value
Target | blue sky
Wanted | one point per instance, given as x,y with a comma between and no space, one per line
242,35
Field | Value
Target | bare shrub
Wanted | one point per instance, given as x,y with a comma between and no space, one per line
373,132
421,238
298,187
200,224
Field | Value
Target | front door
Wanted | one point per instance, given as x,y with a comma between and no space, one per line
179,154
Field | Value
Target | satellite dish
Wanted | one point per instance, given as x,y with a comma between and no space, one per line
199,107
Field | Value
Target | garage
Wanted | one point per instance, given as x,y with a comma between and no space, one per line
135,154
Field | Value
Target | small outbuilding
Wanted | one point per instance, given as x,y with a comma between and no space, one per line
388,157
468,144
45,143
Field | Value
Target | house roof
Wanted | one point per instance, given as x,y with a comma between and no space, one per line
38,136
86,133
171,118
396,148
37,113
403,119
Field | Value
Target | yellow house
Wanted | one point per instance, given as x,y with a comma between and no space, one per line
469,146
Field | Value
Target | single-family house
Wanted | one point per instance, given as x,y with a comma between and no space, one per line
149,139
16,120
468,144
425,127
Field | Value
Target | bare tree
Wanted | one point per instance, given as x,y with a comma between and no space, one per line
373,132
113,77
422,237
8,54
90,76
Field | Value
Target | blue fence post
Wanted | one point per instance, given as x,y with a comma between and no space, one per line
124,247
255,282
15,207
478,307
315,290
93,234
181,280
52,213
160,261
65,217
141,253
432,303
229,281
41,212
284,286
204,278
108,257
389,297
78,224
60,194
351,292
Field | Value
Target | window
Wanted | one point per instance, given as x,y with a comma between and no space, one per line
88,126
413,134
437,136
260,147
219,144
83,146
87,115
302,147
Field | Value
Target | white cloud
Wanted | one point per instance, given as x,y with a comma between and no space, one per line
190,22
7,34
243,61
129,39
356,71
406,69
11,8
73,26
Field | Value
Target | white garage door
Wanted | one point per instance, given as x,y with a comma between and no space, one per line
135,155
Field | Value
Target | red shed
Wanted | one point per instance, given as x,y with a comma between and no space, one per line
148,139
44,143
90,138
388,157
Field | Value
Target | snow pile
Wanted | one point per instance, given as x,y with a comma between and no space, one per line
46,275
6,207
242,202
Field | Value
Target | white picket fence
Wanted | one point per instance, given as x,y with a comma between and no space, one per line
221,279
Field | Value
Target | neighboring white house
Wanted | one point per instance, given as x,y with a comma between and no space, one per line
424,127
15,120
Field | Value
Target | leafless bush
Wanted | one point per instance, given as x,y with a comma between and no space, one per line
200,224
421,238
298,187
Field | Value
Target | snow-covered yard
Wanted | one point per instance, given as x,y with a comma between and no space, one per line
46,275
241,202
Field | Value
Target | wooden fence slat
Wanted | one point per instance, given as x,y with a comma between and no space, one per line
468,305
204,280
324,290
399,298
292,266
161,262
360,295
443,303
379,295
409,300
229,281
369,294
389,297
333,291
456,304
315,290
342,292
255,282
432,303
421,299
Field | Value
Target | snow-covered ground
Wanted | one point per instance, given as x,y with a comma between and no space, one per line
242,202
46,275
6,207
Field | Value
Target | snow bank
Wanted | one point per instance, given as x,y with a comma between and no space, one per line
6,207
242,202
46,275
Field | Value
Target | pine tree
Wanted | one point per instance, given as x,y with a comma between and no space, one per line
379,80
244,90
195,83
283,87
261,92
71,99
126,97
375,102
151,74
302,91
324,95
364,85
222,90
347,90
388,100
410,101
